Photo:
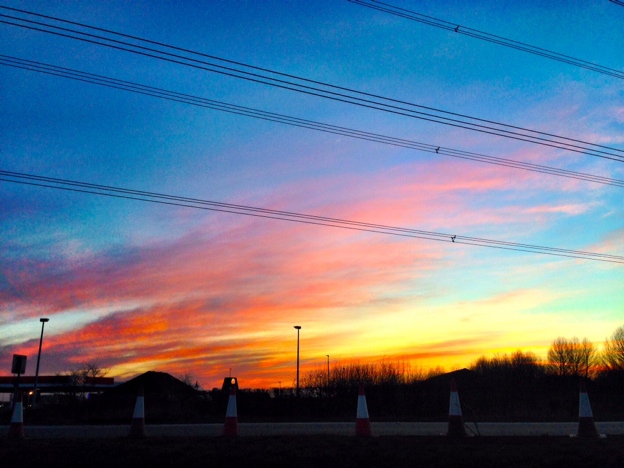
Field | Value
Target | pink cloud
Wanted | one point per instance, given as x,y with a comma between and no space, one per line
612,243
568,209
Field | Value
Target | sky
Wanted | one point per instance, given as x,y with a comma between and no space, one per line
137,286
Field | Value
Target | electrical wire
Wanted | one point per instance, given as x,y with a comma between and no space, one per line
174,200
617,2
475,33
307,86
137,88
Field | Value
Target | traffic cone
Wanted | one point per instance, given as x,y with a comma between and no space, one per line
137,428
362,422
230,429
16,429
456,421
586,427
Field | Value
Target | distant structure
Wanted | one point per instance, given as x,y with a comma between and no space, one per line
228,383
54,383
154,383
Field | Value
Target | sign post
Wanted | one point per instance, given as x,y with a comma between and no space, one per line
18,367
19,364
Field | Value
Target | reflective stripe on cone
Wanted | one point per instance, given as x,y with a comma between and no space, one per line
586,427
456,421
230,429
137,428
362,422
16,429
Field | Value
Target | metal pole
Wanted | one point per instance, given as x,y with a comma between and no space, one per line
298,328
34,402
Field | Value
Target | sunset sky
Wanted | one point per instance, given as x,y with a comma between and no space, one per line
139,286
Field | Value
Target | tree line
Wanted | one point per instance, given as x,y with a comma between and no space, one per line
566,357
510,387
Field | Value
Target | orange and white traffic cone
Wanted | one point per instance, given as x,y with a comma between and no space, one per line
586,427
137,428
230,429
362,422
16,429
456,421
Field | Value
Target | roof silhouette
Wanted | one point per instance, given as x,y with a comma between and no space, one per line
461,375
154,383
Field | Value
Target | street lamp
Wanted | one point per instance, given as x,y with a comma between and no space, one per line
34,402
297,327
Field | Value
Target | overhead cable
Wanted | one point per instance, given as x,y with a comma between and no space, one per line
475,33
307,86
174,200
293,121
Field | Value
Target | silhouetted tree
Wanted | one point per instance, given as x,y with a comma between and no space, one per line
82,380
189,380
587,358
518,366
558,357
571,357
613,355
348,375
525,365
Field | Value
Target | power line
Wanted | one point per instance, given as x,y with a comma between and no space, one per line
137,88
617,2
174,200
460,29
311,87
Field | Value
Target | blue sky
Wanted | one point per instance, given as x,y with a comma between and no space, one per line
140,287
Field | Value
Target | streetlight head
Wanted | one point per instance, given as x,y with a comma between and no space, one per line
297,327
44,320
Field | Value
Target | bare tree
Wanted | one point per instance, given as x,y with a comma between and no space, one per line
519,365
82,380
418,374
574,356
189,380
558,353
349,374
525,365
571,357
587,357
613,355
93,370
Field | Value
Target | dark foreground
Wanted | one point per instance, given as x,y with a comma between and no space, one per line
316,451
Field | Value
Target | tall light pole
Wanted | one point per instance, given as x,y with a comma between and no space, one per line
297,327
43,322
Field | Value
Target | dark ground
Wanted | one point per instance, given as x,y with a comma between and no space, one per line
317,451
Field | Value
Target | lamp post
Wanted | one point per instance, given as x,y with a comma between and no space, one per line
297,327
43,322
